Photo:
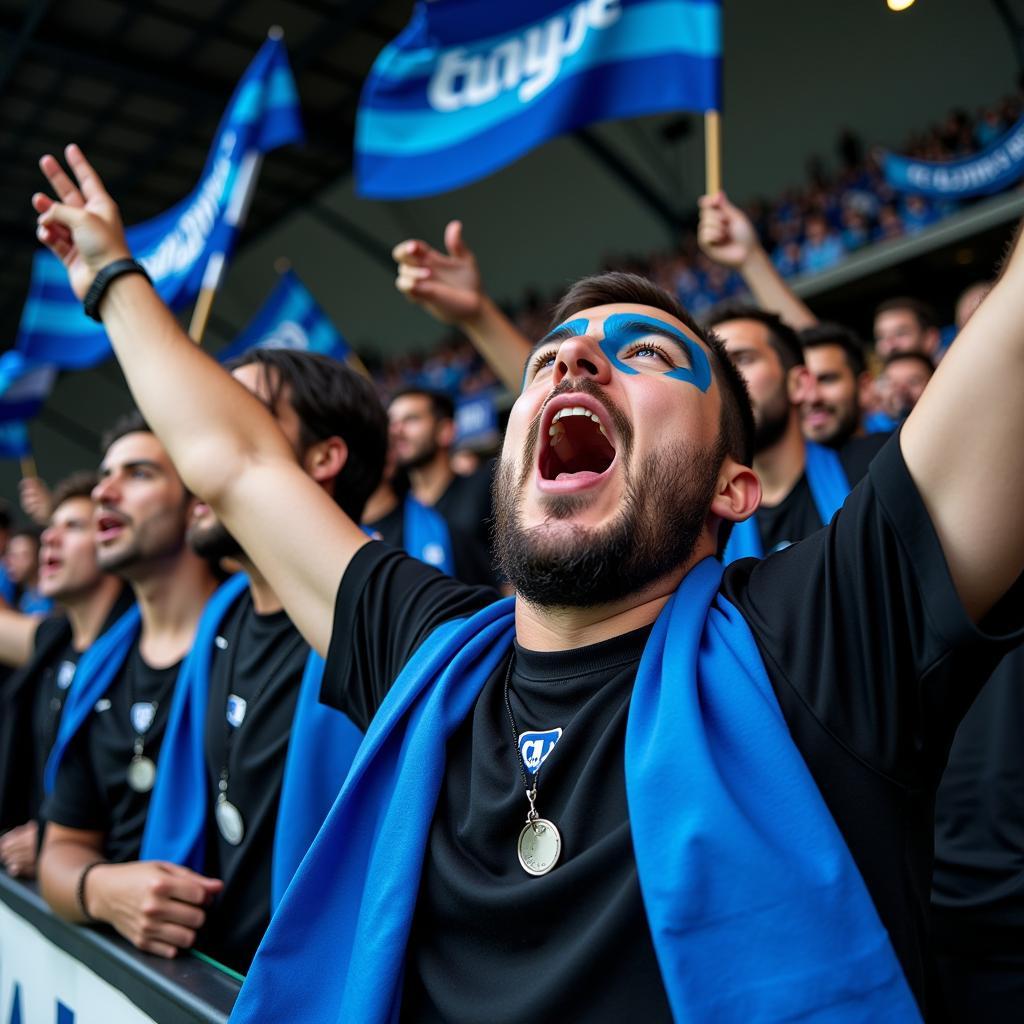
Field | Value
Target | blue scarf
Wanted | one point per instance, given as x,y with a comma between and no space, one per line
829,488
425,535
756,908
320,750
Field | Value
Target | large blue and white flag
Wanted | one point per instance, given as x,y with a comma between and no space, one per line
290,318
185,247
14,442
24,386
471,85
996,167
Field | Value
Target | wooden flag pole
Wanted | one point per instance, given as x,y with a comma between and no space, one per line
712,152
28,467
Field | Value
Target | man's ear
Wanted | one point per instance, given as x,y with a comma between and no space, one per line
324,460
738,492
799,384
445,433
931,342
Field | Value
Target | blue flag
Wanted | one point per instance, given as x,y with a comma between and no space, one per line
996,167
471,85
290,318
24,386
186,247
14,442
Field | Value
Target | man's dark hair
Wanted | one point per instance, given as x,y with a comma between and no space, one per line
782,338
34,534
902,357
330,400
130,423
442,407
77,485
737,424
737,418
923,313
824,334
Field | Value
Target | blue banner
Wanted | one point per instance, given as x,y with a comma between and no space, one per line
24,386
187,246
995,168
471,85
290,318
14,442
476,420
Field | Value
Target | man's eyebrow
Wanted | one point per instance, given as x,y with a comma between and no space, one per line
660,330
572,329
134,464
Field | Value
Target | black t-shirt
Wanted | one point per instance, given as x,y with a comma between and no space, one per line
92,790
258,660
54,677
796,516
466,507
978,883
872,669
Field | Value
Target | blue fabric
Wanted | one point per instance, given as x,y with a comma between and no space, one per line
320,752
425,535
471,85
96,671
176,820
290,318
14,441
829,488
32,602
997,167
24,387
879,423
756,908
175,246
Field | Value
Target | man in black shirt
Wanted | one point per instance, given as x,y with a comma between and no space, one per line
337,428
96,811
32,700
625,458
422,428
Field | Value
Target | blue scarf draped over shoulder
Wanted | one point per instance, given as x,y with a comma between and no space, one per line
829,487
320,749
756,908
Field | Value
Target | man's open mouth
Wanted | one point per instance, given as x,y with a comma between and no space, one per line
108,526
575,439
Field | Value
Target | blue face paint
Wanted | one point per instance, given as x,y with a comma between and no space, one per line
570,329
622,328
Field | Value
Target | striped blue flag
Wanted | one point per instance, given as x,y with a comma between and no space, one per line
471,85
24,386
290,318
14,442
188,245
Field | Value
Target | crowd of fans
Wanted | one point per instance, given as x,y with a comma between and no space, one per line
841,208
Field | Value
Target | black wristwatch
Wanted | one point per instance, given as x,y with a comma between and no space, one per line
101,282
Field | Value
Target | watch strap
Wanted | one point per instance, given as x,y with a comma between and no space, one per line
101,282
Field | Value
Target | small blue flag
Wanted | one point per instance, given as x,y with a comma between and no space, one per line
24,386
185,248
290,318
471,85
14,442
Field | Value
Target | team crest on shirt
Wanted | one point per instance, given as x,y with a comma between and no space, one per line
103,704
235,710
534,747
65,674
142,715
433,554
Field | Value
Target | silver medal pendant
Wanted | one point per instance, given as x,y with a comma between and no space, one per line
539,846
229,821
141,773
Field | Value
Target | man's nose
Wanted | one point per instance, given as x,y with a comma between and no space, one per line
581,356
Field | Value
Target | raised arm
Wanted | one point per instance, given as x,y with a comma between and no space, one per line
962,445
17,636
726,236
223,441
449,287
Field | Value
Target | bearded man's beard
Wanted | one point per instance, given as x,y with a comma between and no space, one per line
771,420
662,518
213,543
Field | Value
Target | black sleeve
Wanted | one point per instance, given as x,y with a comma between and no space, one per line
49,630
861,623
857,454
76,801
388,603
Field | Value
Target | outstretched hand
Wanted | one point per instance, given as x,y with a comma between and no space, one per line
446,285
82,226
725,232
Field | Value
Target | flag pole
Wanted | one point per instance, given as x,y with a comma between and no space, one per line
712,152
28,467
238,209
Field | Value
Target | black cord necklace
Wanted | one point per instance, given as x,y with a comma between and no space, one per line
539,844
